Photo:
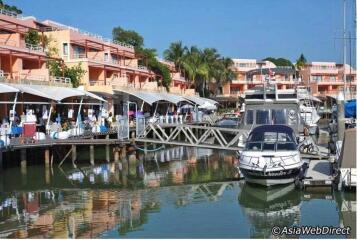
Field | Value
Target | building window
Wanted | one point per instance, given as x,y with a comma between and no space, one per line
79,52
332,78
106,57
65,49
316,78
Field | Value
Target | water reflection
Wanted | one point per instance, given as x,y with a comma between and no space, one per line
61,203
266,208
151,195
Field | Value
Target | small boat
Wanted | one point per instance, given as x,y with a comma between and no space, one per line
271,156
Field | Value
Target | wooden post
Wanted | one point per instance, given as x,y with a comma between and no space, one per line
47,157
47,175
23,159
1,165
91,154
107,153
145,148
116,154
74,153
123,152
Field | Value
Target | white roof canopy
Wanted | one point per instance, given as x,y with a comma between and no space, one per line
7,89
53,93
152,97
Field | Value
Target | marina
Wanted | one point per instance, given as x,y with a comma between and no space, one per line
111,138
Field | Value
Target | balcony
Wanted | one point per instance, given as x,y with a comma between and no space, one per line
324,70
20,45
108,61
27,78
77,33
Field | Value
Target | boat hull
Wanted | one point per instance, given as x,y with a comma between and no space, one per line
271,178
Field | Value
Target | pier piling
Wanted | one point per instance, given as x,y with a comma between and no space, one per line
1,159
74,153
91,154
23,158
107,151
47,157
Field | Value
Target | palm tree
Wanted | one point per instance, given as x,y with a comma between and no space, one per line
195,66
176,54
301,62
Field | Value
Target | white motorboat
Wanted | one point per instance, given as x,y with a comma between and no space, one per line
271,156
308,111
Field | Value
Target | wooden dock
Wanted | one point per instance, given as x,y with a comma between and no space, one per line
319,174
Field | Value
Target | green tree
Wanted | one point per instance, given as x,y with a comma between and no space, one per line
75,73
32,37
129,37
223,73
10,8
280,62
147,56
195,67
176,54
301,62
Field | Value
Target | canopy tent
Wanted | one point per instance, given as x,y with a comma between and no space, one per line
7,89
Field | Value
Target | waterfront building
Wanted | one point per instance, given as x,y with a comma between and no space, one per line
111,68
252,72
21,62
326,78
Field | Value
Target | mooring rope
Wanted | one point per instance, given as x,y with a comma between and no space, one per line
149,150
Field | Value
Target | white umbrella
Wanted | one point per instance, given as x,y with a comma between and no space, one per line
208,106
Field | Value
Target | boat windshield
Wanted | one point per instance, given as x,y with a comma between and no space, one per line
271,141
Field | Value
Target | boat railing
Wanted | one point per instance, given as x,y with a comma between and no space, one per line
282,158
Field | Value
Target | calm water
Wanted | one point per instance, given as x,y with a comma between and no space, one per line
176,193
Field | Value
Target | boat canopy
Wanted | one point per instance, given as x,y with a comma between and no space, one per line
272,128
350,109
271,138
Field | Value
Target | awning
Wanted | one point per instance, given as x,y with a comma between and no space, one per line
7,89
33,91
149,98
152,97
52,92
175,99
196,100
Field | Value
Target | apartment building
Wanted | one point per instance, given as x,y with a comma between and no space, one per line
106,63
327,78
20,61
252,72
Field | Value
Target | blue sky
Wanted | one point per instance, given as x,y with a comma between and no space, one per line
237,28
